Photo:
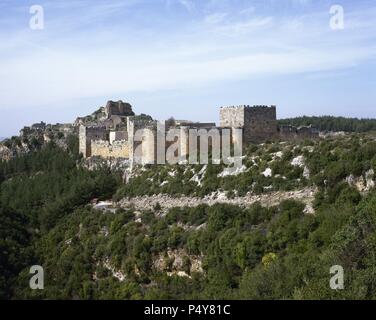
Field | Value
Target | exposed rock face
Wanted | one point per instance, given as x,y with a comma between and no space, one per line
178,262
167,202
112,115
5,153
267,172
298,162
114,164
118,274
370,183
362,184
34,137
14,147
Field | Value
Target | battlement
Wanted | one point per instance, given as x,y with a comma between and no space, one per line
248,107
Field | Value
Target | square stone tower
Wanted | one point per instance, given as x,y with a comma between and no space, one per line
259,123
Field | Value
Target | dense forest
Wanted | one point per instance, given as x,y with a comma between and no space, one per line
37,190
224,251
330,123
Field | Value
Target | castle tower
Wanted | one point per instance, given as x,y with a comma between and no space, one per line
259,123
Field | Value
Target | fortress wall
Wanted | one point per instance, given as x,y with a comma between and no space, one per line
260,123
232,117
101,148
82,141
307,133
86,135
118,136
289,133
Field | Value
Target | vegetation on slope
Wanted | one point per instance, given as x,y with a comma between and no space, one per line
268,167
218,252
38,190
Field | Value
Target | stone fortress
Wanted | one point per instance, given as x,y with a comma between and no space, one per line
259,124
110,131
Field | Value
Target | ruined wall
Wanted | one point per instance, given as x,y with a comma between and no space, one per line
86,135
308,132
102,148
289,133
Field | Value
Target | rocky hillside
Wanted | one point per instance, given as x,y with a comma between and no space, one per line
267,168
270,230
34,137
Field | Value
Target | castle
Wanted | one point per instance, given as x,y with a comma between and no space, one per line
112,133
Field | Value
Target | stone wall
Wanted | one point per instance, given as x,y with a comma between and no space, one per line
232,117
288,132
145,151
118,136
102,148
259,123
88,134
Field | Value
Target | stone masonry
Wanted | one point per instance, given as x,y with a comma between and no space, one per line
259,123
88,134
119,108
118,139
117,149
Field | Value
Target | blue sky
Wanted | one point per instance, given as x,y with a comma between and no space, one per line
185,58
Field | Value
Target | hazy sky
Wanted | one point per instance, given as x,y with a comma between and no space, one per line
185,58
